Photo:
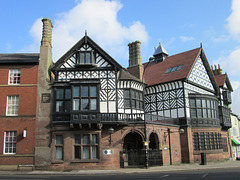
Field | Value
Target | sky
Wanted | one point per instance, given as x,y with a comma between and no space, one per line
179,26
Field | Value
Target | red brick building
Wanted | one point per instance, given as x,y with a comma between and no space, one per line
18,92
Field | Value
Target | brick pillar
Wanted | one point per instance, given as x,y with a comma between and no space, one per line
43,136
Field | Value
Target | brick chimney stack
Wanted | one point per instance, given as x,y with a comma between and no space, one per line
134,53
46,32
135,61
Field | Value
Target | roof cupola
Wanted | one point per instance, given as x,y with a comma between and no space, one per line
160,53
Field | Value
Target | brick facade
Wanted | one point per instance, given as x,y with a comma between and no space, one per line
26,119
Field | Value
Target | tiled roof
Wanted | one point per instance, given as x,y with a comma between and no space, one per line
220,79
19,58
155,72
125,75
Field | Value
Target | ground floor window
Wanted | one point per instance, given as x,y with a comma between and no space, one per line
207,141
86,146
59,147
10,140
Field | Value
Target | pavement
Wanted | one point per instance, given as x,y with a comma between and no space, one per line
166,168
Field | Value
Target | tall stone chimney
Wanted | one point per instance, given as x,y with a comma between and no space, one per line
46,32
135,61
43,114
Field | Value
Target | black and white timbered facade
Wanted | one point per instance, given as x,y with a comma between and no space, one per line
144,103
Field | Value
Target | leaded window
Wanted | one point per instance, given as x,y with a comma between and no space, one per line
85,98
86,146
63,99
203,108
59,147
133,99
85,57
207,141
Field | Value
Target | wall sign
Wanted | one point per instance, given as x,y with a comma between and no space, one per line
107,152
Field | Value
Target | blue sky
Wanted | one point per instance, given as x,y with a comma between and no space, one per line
179,25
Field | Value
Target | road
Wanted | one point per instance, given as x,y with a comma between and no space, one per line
219,174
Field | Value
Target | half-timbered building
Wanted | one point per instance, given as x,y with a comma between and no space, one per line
92,113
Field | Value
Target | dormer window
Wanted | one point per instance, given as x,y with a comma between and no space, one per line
85,58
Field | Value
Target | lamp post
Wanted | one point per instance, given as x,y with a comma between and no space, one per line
145,126
111,130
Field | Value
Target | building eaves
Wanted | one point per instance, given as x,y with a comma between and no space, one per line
19,58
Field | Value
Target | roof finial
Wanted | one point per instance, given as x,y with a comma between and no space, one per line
200,44
85,36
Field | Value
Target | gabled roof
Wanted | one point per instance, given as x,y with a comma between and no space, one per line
80,43
221,79
19,58
155,72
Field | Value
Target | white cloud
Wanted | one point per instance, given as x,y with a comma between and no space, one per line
233,20
236,97
99,18
230,63
186,38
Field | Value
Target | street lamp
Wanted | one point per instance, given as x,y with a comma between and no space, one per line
111,130
145,126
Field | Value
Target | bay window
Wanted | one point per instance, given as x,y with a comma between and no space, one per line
202,107
85,98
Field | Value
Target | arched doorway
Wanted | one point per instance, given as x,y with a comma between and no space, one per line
153,141
133,141
132,154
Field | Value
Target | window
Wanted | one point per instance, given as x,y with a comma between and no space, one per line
172,69
10,142
14,76
86,57
59,147
12,105
203,108
85,98
207,141
63,100
133,99
86,146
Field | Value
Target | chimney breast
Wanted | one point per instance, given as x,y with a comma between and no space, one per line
46,32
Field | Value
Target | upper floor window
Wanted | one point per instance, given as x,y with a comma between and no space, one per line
12,105
14,76
203,108
63,100
85,98
85,57
10,140
133,99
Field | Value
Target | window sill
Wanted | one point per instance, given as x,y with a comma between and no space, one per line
198,152
86,161
58,162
